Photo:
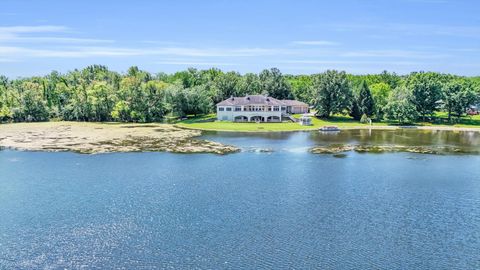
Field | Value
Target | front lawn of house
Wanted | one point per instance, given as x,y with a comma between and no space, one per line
209,122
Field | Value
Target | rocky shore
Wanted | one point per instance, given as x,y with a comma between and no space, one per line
434,150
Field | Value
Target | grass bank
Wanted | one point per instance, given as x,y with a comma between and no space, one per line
207,122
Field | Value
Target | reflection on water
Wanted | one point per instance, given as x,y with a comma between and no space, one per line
251,210
302,141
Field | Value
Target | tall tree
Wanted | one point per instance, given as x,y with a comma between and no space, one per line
380,93
363,103
427,91
400,106
101,99
225,85
32,106
332,93
301,88
458,95
249,84
274,84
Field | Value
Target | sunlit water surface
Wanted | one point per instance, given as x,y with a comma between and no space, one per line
282,209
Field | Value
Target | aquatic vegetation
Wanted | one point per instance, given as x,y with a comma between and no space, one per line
90,138
433,150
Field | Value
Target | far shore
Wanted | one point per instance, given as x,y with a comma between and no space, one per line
91,138
262,128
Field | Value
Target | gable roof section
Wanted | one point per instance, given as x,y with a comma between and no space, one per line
251,100
291,102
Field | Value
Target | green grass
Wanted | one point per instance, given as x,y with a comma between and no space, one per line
441,119
208,122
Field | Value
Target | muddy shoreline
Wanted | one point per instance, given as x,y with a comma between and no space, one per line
92,138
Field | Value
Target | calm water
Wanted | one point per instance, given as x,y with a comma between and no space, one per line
284,209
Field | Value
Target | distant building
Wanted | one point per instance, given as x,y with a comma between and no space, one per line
473,110
257,108
295,106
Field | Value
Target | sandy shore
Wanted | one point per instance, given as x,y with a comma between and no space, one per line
105,137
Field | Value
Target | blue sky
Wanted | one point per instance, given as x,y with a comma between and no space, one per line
299,37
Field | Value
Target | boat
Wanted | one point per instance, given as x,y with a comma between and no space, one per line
329,128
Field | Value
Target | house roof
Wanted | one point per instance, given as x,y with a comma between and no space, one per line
292,102
259,100
251,100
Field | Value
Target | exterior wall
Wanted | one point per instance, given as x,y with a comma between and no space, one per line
299,109
226,115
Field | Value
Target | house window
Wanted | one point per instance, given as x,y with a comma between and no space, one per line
276,108
229,109
221,109
238,108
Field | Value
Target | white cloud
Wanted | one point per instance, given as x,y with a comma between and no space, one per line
394,54
33,29
190,63
94,51
6,60
315,42
52,40
349,62
26,43
23,34
408,29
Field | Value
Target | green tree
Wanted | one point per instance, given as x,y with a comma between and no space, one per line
225,85
249,84
301,88
427,91
400,106
363,103
198,101
458,95
274,84
121,111
188,78
177,99
32,106
332,93
156,97
380,93
102,100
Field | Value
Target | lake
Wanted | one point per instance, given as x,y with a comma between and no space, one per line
274,205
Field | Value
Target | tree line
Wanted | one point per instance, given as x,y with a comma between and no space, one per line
96,93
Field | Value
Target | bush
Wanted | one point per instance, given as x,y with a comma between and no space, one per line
365,119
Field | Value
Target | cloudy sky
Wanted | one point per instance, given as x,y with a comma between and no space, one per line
299,37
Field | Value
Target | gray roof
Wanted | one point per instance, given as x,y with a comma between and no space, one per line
251,100
259,100
292,102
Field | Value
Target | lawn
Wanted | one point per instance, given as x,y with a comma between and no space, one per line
441,119
208,122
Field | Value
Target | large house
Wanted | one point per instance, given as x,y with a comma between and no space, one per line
257,108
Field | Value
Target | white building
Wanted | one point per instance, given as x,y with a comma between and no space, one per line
257,108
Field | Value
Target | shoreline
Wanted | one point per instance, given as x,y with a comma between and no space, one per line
112,137
377,127
93,138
